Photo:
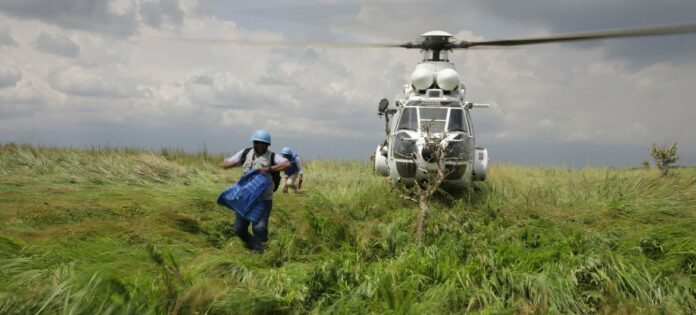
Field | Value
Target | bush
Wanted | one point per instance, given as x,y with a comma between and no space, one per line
646,164
664,156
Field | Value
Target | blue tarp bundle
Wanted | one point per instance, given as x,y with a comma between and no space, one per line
244,196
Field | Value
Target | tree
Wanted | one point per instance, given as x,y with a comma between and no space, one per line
664,156
646,164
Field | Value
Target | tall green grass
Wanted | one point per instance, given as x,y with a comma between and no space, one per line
113,230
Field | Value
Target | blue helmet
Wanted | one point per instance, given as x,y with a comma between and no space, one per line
261,135
286,151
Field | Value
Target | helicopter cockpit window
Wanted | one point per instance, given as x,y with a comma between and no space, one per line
433,118
456,121
409,119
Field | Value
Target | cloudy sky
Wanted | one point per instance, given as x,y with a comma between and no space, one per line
121,73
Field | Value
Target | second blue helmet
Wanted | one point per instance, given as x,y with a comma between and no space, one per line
286,151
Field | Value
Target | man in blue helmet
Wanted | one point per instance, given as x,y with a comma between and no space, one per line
260,158
293,174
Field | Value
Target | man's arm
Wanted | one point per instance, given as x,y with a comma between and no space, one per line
280,164
228,162
232,161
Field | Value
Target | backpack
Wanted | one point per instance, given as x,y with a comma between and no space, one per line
274,175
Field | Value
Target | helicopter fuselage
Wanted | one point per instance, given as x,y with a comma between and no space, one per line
431,128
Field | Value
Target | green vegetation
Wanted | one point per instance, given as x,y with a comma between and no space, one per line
664,156
106,231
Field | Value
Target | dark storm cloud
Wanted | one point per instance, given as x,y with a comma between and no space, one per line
89,15
57,45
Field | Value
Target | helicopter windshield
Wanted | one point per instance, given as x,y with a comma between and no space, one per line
409,119
433,119
456,120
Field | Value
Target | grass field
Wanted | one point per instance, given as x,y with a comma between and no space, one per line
130,231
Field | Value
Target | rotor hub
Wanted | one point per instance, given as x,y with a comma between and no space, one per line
436,40
433,40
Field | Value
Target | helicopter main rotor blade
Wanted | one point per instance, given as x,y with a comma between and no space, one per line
280,42
616,33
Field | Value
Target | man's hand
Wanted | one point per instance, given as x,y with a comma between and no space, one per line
264,169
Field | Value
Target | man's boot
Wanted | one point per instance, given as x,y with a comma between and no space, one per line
246,238
258,246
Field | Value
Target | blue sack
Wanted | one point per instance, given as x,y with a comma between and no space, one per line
244,197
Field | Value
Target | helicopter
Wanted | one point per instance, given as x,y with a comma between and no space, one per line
433,115
433,110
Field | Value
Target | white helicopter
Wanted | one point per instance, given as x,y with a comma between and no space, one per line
434,109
